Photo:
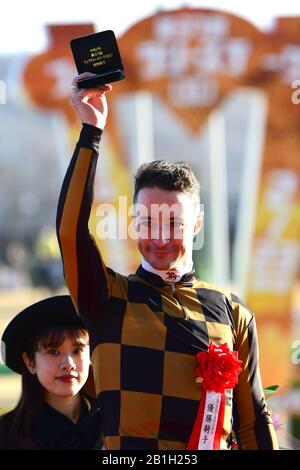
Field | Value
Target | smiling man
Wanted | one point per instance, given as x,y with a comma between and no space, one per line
147,328
167,217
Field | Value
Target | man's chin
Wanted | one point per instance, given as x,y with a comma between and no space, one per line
160,266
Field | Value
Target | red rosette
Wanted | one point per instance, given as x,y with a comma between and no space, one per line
218,368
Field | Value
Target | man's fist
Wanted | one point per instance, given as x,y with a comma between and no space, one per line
90,104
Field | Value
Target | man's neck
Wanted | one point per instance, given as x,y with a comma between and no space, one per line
173,274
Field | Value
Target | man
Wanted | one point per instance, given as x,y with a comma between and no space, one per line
146,328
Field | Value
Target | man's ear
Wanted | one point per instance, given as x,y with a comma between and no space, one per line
198,224
29,363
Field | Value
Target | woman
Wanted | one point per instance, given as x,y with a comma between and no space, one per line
48,344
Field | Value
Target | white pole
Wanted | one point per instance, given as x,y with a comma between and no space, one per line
219,198
250,179
144,128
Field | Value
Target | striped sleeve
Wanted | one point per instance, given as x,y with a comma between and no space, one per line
251,418
84,270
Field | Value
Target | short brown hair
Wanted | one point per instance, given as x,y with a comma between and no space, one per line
170,176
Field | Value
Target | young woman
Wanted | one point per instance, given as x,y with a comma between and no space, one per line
48,344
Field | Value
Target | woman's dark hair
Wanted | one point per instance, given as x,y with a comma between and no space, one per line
16,425
170,176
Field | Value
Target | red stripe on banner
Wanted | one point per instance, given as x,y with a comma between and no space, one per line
195,436
219,428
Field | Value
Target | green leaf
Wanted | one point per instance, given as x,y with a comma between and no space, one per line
270,390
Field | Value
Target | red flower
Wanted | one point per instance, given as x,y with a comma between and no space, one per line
218,368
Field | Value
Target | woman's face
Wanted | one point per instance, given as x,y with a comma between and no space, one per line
62,370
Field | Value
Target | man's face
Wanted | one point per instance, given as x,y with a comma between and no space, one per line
166,222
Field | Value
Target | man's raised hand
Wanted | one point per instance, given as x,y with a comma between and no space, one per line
90,103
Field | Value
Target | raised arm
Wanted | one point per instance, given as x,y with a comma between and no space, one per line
84,271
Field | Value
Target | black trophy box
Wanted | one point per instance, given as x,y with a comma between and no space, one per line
99,54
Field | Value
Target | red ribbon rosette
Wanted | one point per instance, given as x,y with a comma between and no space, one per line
217,371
